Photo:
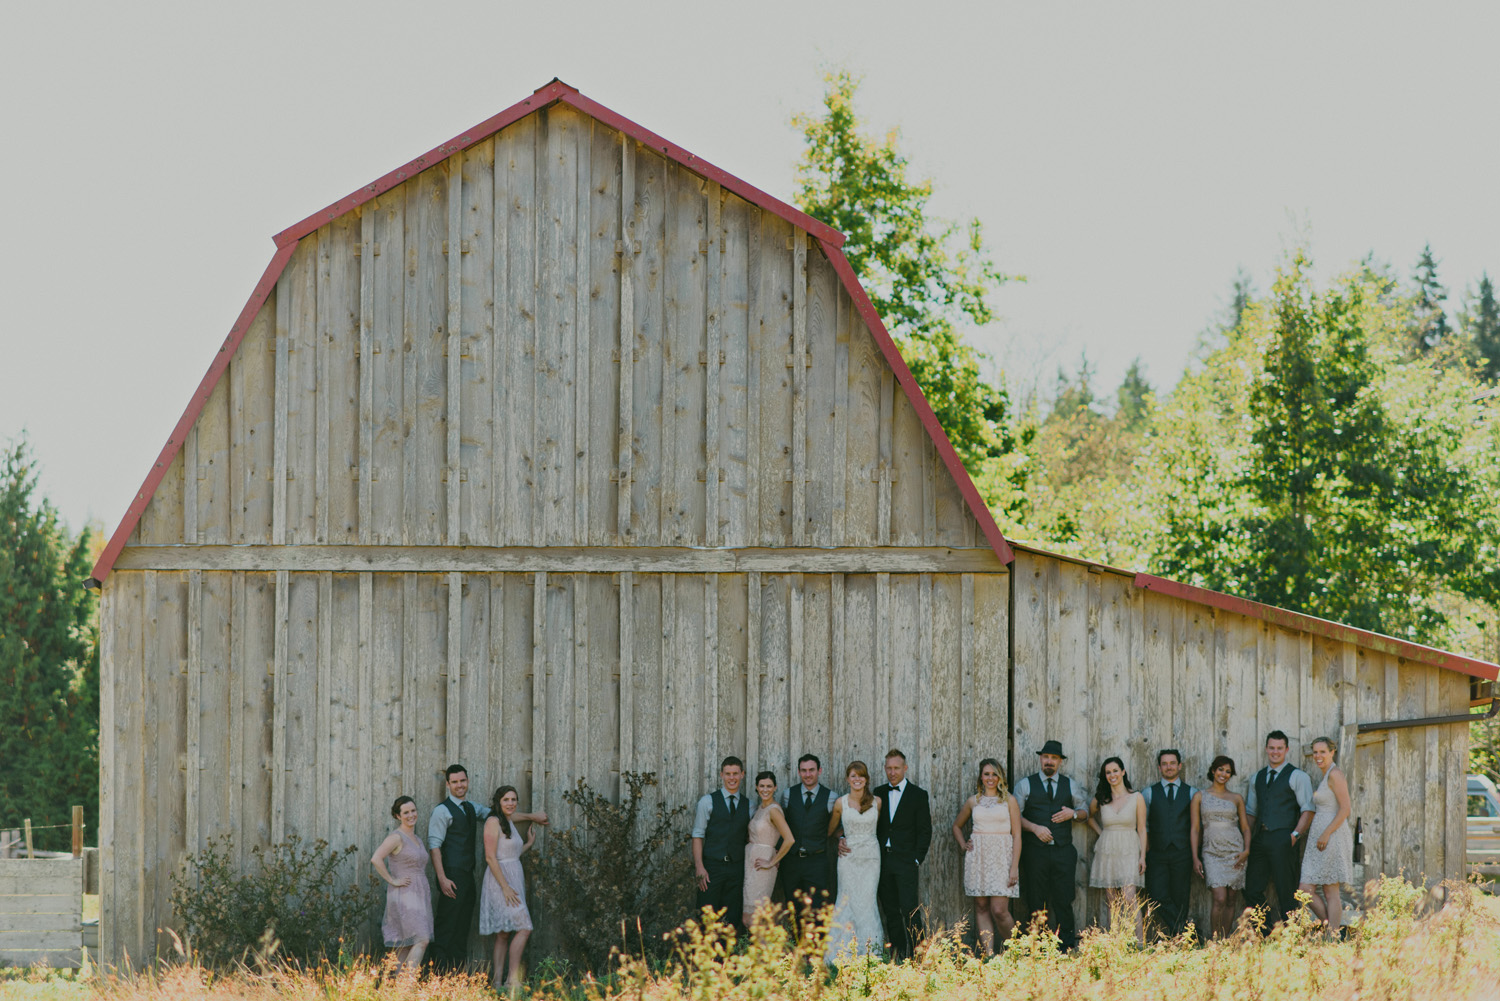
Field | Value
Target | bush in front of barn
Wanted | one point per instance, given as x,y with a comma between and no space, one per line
616,877
290,905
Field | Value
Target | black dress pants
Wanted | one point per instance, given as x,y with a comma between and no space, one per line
726,891
1169,875
1047,876
900,908
1273,860
450,924
806,876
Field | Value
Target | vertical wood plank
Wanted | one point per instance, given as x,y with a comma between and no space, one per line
327,762
279,432
797,675
322,334
883,678
753,669
711,666
838,465
455,348
192,830
539,671
580,682
364,752
190,486
885,467
627,674
279,704
928,749
455,750
366,376
410,768
713,373
627,337
799,387
969,715
582,333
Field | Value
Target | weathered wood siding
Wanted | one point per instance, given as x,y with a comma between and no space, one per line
1110,669
316,699
41,912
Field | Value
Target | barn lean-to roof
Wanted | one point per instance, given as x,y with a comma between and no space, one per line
829,239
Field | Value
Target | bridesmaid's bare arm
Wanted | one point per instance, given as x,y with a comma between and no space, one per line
778,820
1094,812
964,812
389,846
1195,832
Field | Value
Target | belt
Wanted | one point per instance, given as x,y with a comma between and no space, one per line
809,852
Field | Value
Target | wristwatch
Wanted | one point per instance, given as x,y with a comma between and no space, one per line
1296,835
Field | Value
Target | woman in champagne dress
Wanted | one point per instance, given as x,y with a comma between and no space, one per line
502,895
1221,831
1118,816
1329,860
762,858
992,855
855,928
407,926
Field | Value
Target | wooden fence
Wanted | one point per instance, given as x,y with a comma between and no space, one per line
41,912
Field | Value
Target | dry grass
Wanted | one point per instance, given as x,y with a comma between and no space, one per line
1405,948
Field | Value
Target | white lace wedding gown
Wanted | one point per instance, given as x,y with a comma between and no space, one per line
856,913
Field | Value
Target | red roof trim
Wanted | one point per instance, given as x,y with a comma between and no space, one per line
828,238
871,316
1321,627
195,407
554,93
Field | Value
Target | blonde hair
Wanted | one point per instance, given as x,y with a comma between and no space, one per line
1332,747
1000,787
866,797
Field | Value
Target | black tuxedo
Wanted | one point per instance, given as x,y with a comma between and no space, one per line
904,841
1169,854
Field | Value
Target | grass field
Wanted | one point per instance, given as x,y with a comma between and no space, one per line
1405,948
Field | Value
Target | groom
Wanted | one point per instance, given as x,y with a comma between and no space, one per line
904,831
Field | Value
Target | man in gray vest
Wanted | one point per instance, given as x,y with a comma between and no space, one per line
720,829
1280,808
1169,851
1050,805
804,871
452,840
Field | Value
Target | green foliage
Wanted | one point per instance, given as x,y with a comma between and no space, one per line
927,277
290,904
49,661
1133,398
617,877
1429,327
1481,325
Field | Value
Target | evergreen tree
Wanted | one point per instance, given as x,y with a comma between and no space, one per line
1481,325
1134,394
1074,394
927,277
1429,319
49,661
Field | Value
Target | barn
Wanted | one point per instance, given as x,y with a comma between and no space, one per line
561,452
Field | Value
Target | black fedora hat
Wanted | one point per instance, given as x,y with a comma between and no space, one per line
1053,747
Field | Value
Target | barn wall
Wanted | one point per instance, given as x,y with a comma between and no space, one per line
1110,669
268,704
505,351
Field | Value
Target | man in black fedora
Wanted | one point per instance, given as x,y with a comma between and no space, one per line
1050,805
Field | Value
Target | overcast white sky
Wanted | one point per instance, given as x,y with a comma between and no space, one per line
1126,157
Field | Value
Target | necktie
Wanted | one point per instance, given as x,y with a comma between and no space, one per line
1171,792
731,804
1271,776
807,799
1051,790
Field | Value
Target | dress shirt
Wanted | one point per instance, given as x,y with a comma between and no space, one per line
706,809
437,824
1022,792
800,791
1183,789
1301,785
893,800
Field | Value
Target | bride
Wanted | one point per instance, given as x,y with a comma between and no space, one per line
856,927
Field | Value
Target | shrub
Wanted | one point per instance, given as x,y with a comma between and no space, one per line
291,897
615,876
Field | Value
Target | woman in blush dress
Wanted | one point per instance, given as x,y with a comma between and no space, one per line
855,927
1120,853
762,858
407,926
1222,831
502,896
1329,860
992,855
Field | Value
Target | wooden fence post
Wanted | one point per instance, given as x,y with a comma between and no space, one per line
78,832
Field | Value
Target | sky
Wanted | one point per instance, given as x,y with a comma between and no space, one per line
1128,159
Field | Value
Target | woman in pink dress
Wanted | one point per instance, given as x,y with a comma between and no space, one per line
407,926
768,826
992,855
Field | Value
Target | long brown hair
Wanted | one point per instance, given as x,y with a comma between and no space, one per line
865,797
1000,786
497,812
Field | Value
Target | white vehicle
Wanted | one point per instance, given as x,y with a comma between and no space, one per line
1484,822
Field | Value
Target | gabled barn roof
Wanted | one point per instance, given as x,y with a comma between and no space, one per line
555,92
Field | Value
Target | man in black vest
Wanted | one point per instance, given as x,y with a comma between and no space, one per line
804,871
1169,851
1050,805
904,831
720,829
1279,808
452,840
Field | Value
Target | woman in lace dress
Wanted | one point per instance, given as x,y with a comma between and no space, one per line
761,855
502,896
855,927
1118,816
1329,860
407,926
992,856
1222,831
